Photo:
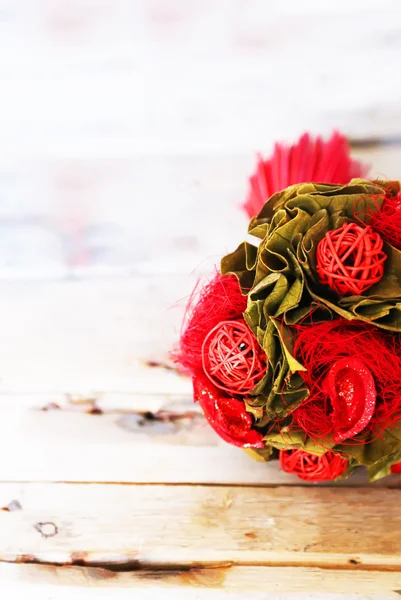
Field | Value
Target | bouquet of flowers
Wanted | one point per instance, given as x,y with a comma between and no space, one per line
294,347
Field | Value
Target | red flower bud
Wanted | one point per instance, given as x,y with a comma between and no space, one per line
226,415
310,467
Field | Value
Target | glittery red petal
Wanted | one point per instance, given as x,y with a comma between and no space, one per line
352,392
227,416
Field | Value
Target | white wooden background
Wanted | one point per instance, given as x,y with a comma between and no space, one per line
128,129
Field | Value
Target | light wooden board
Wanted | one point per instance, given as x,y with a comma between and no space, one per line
196,525
73,218
128,133
119,77
254,583
173,446
91,336
94,336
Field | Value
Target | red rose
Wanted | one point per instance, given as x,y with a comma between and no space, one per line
226,414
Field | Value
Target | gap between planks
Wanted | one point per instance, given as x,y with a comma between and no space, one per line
150,526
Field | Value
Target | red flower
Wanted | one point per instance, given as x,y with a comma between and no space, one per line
310,467
352,392
232,358
226,415
396,468
309,160
219,300
350,259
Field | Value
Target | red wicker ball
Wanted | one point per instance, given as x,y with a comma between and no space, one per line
232,358
350,259
310,467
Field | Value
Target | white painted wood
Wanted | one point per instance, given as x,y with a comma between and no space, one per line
255,583
118,77
128,131
96,218
59,446
176,446
91,336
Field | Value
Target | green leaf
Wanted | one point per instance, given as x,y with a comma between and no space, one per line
261,455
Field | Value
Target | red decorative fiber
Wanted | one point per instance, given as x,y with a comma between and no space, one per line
319,347
232,357
309,160
226,415
350,259
396,468
387,221
220,300
309,467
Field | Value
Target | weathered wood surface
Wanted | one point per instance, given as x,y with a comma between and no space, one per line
232,582
95,335
115,115
200,525
173,445
118,77
63,218
88,395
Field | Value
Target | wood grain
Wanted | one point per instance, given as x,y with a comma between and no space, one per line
84,217
198,525
93,335
123,77
230,582
171,446
127,139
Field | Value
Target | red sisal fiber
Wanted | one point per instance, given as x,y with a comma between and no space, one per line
309,160
387,221
312,417
219,300
318,347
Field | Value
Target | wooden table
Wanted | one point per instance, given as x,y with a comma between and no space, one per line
112,482
128,131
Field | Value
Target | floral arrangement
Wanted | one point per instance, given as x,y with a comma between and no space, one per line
294,347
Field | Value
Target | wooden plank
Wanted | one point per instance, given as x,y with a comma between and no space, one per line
59,446
196,525
231,582
101,217
134,73
94,337
91,336
174,446
85,217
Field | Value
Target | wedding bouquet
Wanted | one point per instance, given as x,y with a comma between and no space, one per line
294,347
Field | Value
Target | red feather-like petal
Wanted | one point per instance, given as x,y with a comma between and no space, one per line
309,160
